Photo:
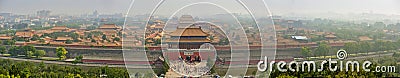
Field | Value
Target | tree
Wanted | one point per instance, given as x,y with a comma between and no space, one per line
26,73
76,40
61,53
351,47
322,49
211,38
26,69
89,35
119,34
29,54
35,37
16,38
28,48
93,41
40,53
73,35
78,59
14,50
9,42
384,45
104,37
73,25
22,50
366,46
306,52
91,27
68,41
157,41
3,49
117,39
42,40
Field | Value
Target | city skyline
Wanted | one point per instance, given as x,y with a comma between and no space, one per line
277,7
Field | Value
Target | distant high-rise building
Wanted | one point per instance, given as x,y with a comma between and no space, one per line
5,14
95,14
117,15
43,13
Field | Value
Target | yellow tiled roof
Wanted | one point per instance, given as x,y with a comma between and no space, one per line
63,38
106,26
188,32
24,34
188,40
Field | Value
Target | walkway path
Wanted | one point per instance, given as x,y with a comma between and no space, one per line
60,62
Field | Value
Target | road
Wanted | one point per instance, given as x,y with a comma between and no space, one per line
61,63
123,66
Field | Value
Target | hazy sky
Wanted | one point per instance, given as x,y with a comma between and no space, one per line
64,6
339,6
278,7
